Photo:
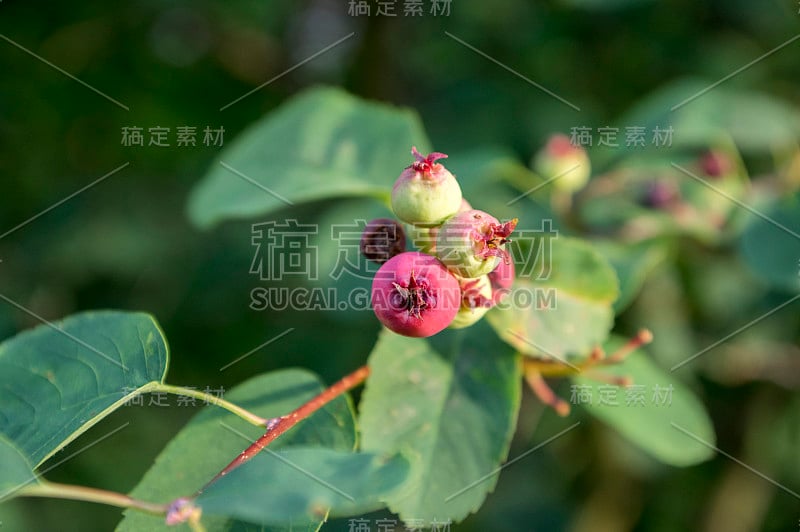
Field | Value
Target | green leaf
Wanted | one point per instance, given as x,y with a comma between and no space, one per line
57,382
561,302
756,121
302,484
633,262
244,526
777,454
449,404
15,470
323,143
215,437
773,252
671,419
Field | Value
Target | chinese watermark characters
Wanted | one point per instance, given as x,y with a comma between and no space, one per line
164,137
633,396
631,136
391,525
289,250
396,8
163,398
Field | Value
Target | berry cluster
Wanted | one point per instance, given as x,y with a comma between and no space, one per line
462,268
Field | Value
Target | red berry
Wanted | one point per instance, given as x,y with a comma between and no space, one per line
413,294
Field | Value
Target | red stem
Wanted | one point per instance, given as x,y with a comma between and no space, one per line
546,394
284,423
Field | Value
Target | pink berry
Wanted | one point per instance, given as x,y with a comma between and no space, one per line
716,164
426,193
660,195
465,206
472,243
413,294
382,239
502,279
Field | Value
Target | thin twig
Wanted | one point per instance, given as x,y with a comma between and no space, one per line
173,511
536,369
545,393
84,493
597,358
278,426
214,400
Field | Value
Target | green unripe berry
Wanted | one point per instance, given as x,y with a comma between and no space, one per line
424,238
476,300
567,165
426,193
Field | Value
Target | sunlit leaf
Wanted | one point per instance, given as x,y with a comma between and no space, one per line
449,404
562,305
215,437
15,470
57,381
323,143
657,413
303,484
771,247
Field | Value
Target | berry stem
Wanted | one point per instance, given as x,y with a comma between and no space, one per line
84,493
556,368
550,368
545,393
643,337
277,426
214,400
535,369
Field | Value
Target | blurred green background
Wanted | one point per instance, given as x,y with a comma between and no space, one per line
126,242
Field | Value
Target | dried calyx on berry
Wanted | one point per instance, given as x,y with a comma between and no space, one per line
447,282
426,193
382,239
472,243
413,294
